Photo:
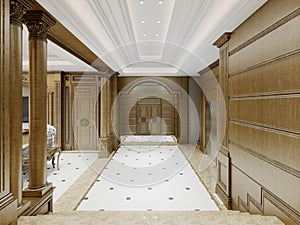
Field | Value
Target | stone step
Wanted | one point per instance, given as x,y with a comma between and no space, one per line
150,217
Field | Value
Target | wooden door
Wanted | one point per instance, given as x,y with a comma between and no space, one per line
84,117
149,116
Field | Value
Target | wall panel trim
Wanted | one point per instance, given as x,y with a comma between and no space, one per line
268,30
265,127
266,194
266,62
295,93
268,160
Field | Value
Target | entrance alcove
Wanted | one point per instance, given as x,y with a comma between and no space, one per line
151,106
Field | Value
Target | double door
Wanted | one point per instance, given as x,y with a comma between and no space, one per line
149,120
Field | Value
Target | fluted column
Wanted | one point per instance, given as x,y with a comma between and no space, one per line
38,24
17,11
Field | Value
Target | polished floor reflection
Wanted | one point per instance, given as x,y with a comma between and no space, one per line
148,178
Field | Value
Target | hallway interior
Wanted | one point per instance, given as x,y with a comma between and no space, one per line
74,207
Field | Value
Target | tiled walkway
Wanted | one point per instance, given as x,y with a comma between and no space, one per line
153,177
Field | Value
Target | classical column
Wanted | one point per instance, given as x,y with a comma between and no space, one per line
17,10
38,24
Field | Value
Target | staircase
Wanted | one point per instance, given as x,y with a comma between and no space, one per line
150,217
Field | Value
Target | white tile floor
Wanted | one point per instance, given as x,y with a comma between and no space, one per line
148,178
149,138
72,165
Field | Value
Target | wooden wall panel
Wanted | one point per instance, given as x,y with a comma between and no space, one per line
255,54
277,77
268,144
272,13
264,104
280,113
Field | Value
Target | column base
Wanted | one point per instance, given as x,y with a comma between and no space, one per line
224,198
41,200
23,207
105,147
8,210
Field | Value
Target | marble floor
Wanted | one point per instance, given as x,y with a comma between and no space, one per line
148,178
72,165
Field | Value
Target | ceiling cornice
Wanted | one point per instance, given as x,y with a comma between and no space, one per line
62,37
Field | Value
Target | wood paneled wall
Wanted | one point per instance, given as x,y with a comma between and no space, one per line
208,95
8,206
263,58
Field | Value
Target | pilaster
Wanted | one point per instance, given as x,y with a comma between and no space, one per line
223,188
17,11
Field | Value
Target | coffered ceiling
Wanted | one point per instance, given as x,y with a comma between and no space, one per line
152,37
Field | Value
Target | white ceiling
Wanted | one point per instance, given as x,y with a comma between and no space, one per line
152,37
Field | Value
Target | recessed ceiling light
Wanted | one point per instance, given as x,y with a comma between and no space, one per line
144,35
141,2
160,2
156,35
143,21
158,21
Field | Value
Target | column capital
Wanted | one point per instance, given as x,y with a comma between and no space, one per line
17,10
222,40
38,23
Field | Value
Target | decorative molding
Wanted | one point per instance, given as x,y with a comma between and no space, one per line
267,95
266,194
268,128
279,165
271,28
38,24
17,10
223,150
223,196
267,62
222,40
210,67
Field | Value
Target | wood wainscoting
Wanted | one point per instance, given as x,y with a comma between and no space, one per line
260,62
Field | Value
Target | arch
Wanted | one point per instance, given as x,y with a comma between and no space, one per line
159,80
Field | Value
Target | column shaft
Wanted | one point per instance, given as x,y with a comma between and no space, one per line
15,107
38,122
103,108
